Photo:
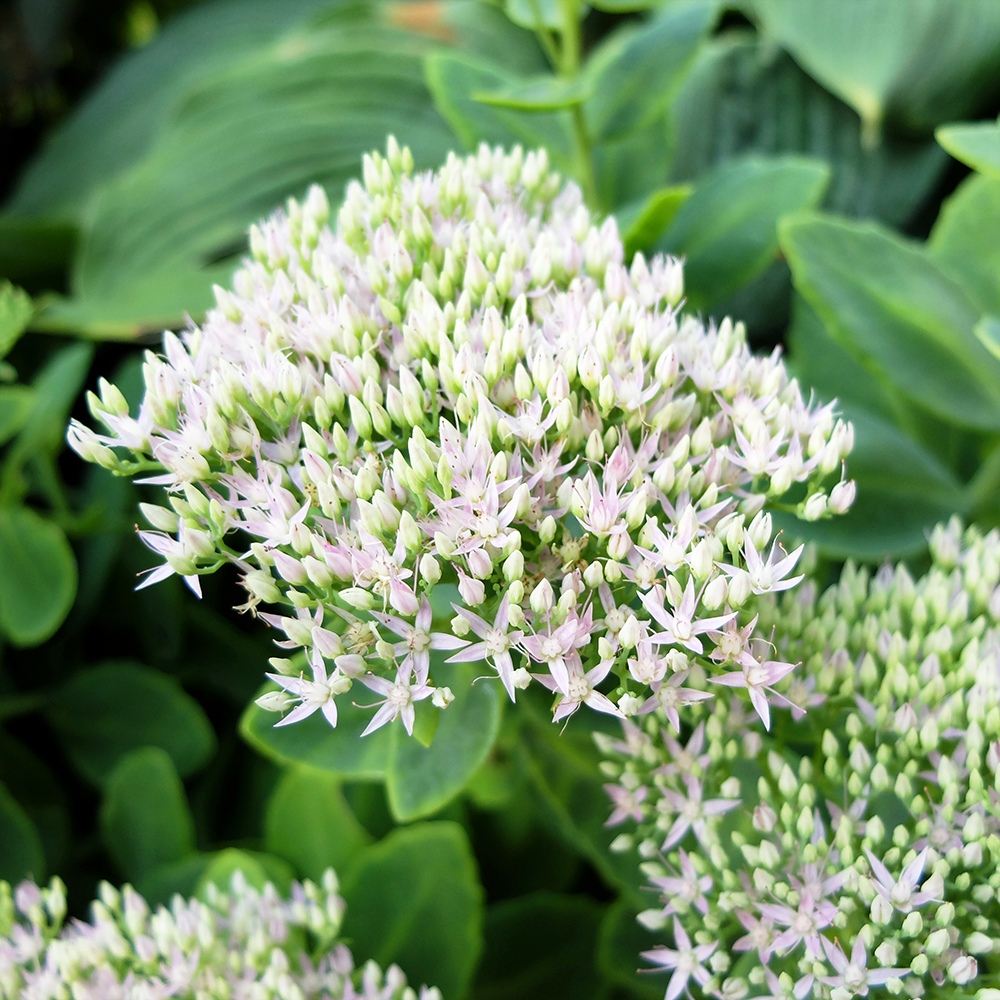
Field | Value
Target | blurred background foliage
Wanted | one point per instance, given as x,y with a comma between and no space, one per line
830,171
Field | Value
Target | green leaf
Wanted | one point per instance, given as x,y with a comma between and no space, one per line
15,314
634,70
21,854
182,876
310,824
37,576
16,402
540,946
621,940
976,144
300,107
743,97
56,387
987,330
454,77
35,788
888,304
964,239
258,868
625,6
925,59
626,171
88,710
727,229
420,780
316,743
542,93
145,819
641,225
414,899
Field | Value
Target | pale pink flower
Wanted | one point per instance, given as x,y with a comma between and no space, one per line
628,803
399,698
684,960
686,886
853,974
496,644
417,638
694,813
579,688
319,692
802,925
669,695
901,892
681,627
758,678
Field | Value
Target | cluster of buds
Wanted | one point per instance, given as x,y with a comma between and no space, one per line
463,389
243,943
862,847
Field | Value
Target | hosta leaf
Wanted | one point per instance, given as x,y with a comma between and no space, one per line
976,144
310,824
634,70
88,710
420,780
742,97
964,239
414,899
925,58
727,229
903,318
145,820
316,743
37,576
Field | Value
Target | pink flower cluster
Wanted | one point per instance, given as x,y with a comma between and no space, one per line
457,424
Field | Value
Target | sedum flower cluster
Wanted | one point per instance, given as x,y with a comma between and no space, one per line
462,384
859,845
243,944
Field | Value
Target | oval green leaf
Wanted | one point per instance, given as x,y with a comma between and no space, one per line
37,576
890,306
145,819
21,853
543,93
422,779
414,899
87,714
976,144
727,229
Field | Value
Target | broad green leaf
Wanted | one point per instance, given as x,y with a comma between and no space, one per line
634,71
543,93
727,229
316,743
988,332
37,576
87,713
540,946
37,791
626,6
310,824
925,58
145,819
976,144
420,780
743,97
15,314
35,251
564,768
299,108
414,899
182,876
454,77
641,225
964,239
258,868
16,402
909,323
21,854
620,941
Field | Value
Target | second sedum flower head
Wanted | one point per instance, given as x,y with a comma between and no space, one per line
461,383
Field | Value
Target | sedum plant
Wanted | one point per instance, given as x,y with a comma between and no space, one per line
240,944
858,845
463,384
